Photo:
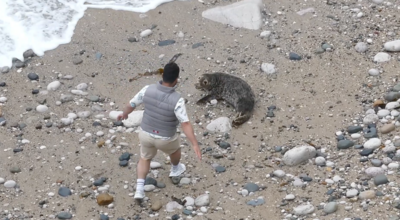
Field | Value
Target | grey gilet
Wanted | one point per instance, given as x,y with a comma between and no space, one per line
159,104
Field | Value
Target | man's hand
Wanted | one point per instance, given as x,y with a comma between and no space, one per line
197,151
188,130
122,117
127,110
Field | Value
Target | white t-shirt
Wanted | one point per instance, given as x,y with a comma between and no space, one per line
180,108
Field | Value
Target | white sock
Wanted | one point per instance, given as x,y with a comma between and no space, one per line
174,167
140,185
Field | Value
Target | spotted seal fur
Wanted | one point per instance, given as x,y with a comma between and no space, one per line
232,89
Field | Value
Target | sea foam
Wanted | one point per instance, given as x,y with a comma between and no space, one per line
43,25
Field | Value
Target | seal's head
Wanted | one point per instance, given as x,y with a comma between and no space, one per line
205,82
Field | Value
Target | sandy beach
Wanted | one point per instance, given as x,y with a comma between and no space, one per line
316,98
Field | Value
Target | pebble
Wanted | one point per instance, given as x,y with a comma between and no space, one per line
10,184
156,205
376,162
146,33
303,209
251,187
77,60
372,143
361,47
268,68
155,165
42,108
171,206
220,169
380,179
373,72
392,46
149,188
279,173
202,200
15,169
381,57
3,99
104,199
387,128
64,215
345,144
33,76
351,193
294,56
369,194
374,171
331,207
53,86
298,155
166,42
290,197
354,129
256,202
104,217
5,69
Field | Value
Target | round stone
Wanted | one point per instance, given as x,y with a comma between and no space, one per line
373,72
320,161
10,184
330,207
33,76
53,85
41,108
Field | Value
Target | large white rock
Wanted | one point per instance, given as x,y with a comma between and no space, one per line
303,209
268,68
393,46
114,114
53,85
374,171
243,14
41,108
372,143
221,124
298,155
381,57
134,119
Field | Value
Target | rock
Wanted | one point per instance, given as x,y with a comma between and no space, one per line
243,14
33,76
376,162
160,185
66,98
294,56
171,206
392,46
202,200
93,98
53,86
77,61
279,173
10,184
298,155
374,171
373,143
166,42
290,197
156,205
134,119
354,129
123,163
84,114
41,108
393,166
155,165
392,105
220,169
331,207
146,33
15,170
381,57
383,113
64,215
82,86
351,193
5,69
305,11
268,68
100,181
369,194
125,156
320,161
114,114
265,34
370,119
132,39
392,96
104,199
345,144
251,187
28,53
373,72
387,128
184,181
303,209
2,84
64,191
224,145
256,202
149,188
361,47
221,124
380,179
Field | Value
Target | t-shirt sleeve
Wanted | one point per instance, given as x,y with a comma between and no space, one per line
138,98
180,111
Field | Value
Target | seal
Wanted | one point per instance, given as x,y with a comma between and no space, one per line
232,89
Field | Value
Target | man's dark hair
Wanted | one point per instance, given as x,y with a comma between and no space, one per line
171,72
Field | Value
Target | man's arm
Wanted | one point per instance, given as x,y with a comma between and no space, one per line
127,110
135,101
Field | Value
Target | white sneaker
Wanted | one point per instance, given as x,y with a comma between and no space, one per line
139,195
177,171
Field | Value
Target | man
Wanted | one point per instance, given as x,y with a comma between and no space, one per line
164,108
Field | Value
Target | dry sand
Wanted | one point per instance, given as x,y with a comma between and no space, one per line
319,95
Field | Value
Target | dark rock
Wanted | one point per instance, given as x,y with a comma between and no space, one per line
49,124
77,61
251,187
294,56
166,42
187,212
330,192
354,129
132,39
256,202
392,96
196,45
358,146
175,217
220,169
345,144
366,152
176,179
161,185
125,156
2,84
150,181
64,191
123,163
270,114
100,181
33,76
22,125
35,91
306,179
340,137
16,150
64,215
380,179
19,64
117,123
362,160
224,145
104,217
96,123
15,170
38,126
29,53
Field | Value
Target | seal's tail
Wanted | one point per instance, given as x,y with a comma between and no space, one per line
174,58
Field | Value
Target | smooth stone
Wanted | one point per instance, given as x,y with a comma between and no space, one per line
279,173
196,45
345,144
64,215
64,191
256,202
396,88
393,166
387,128
351,193
15,170
98,55
156,205
77,60
290,197
243,14
100,181
381,57
224,145
265,34
132,39
354,129
113,115
251,187
146,33
187,212
361,47
298,155
5,69
82,86
380,179
331,207
166,43
160,185
392,46
53,86
2,84
150,181
373,72
33,76
294,56
392,105
171,206
221,124
202,200
303,209
376,162
83,114
123,163
3,121
149,188
185,181
220,169
104,199
392,96
370,119
372,143
93,98
369,194
268,68
155,165
320,161
10,184
374,171
66,98
41,108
